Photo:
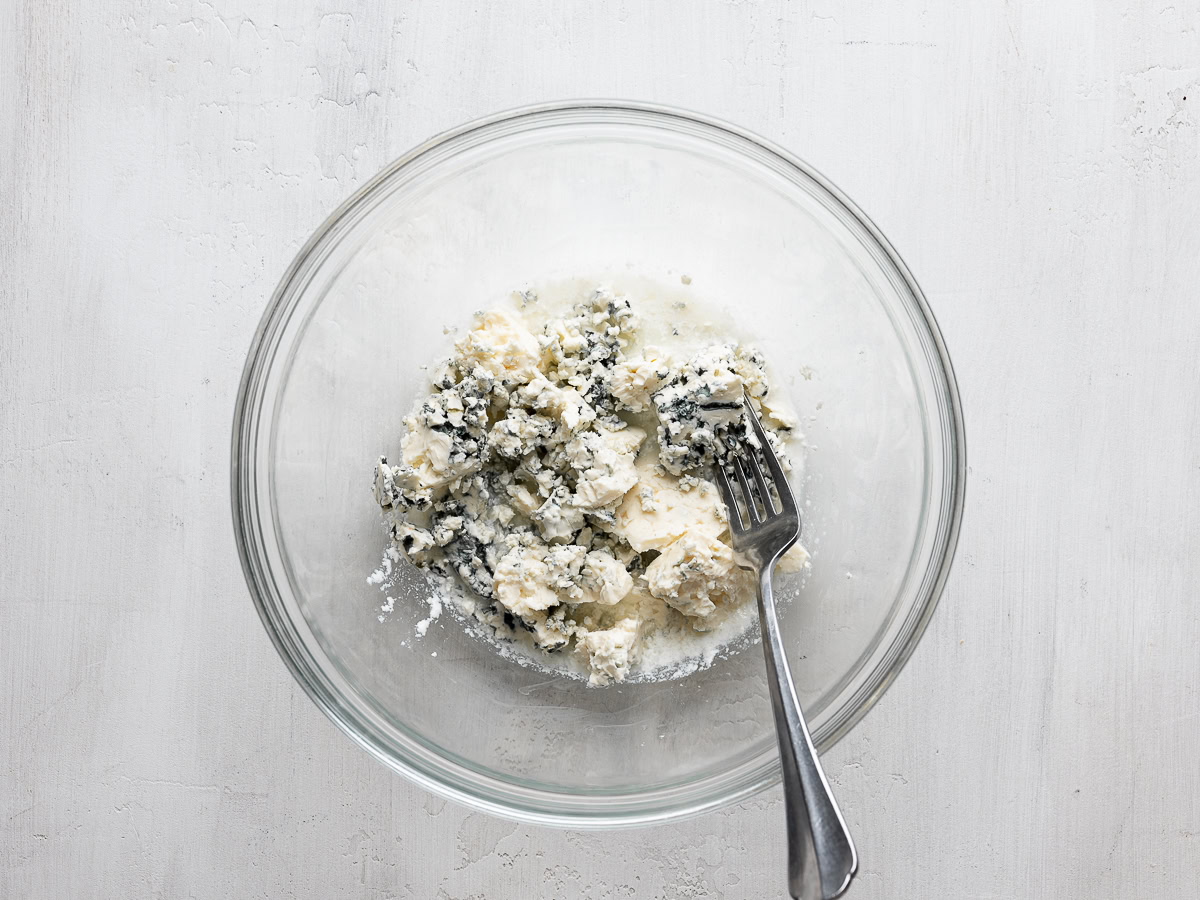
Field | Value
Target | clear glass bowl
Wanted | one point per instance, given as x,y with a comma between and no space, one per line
610,191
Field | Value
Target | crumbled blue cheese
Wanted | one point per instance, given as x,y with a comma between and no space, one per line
693,574
704,398
604,579
524,582
519,430
603,463
526,473
635,380
559,517
610,651
660,511
500,346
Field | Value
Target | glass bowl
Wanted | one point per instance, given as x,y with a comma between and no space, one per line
612,192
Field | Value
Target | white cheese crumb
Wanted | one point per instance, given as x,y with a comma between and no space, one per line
435,610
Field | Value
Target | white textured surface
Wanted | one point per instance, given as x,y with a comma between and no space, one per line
1036,163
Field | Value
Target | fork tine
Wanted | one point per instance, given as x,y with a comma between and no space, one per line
787,502
735,514
764,492
752,510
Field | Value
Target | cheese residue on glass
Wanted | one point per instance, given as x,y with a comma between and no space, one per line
559,468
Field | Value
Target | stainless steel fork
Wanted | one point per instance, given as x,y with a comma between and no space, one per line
821,855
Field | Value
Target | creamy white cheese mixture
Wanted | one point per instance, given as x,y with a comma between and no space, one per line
561,471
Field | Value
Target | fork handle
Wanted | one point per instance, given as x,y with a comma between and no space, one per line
821,855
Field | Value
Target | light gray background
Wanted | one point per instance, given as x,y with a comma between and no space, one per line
1037,165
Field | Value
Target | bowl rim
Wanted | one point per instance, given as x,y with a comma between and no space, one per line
296,656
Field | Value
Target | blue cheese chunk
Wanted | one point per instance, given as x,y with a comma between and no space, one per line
701,410
513,435
399,488
635,380
446,435
559,518
706,394
659,511
603,579
610,652
521,583
501,346
603,462
564,405
581,351
693,574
